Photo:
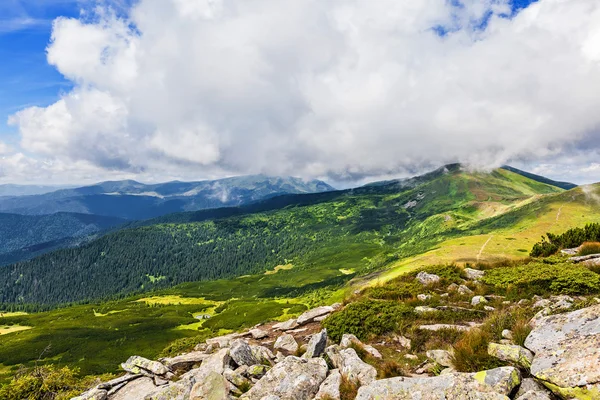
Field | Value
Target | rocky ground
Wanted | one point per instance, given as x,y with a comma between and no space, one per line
296,359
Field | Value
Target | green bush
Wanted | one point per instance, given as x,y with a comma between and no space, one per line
367,317
540,278
471,355
571,238
186,344
395,291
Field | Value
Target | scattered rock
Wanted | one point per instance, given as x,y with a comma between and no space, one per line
137,389
424,297
411,357
330,388
523,302
235,378
222,341
441,357
118,381
531,385
292,379
495,384
427,279
489,308
349,339
321,318
350,365
425,309
476,300
185,361
263,354
94,394
141,365
507,334
531,395
437,327
286,343
511,353
310,315
403,341
258,334
213,387
241,353
216,362
567,350
287,325
452,287
462,289
473,274
316,345
257,371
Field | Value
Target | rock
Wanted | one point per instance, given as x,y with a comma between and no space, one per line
316,345
213,387
94,394
411,357
424,309
489,308
258,334
567,350
452,287
427,279
349,339
310,315
531,385
321,318
531,395
437,327
441,357
330,388
222,341
185,361
373,352
523,302
174,391
350,365
271,397
158,381
292,379
476,300
118,381
511,353
257,371
473,274
235,378
139,365
241,353
424,297
216,362
286,343
495,384
137,389
543,303
263,354
462,289
507,334
425,368
287,325
403,341
447,371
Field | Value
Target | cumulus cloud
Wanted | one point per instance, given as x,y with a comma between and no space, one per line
344,89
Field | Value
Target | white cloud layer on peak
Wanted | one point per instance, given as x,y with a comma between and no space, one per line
344,89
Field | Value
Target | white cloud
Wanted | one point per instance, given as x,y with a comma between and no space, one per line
347,88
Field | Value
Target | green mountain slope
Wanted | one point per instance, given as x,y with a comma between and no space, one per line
385,221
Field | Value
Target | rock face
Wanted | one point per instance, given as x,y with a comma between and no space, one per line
213,387
310,315
511,353
350,365
137,365
241,353
427,279
330,388
495,384
567,350
292,379
316,345
286,343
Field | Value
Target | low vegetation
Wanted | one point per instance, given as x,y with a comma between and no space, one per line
551,243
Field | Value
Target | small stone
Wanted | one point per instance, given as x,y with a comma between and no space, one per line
257,371
425,309
137,365
310,315
523,302
424,297
441,357
411,357
316,345
241,353
286,326
235,377
258,334
427,279
507,334
462,289
476,300
452,287
403,341
93,394
473,274
511,353
222,341
489,308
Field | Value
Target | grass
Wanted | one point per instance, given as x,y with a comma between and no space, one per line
6,329
589,248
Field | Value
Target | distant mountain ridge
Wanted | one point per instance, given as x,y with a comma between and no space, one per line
134,200
539,178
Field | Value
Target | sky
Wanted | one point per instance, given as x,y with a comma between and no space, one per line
344,90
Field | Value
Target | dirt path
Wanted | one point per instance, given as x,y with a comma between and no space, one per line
558,213
483,247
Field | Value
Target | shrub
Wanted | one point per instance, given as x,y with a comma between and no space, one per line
571,238
395,291
348,389
390,369
422,340
367,317
470,352
589,248
540,278
47,383
184,345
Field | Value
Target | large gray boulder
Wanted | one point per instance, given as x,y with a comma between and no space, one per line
495,384
350,365
217,362
473,274
511,353
138,389
567,350
222,341
427,279
531,385
241,353
310,315
316,345
349,340
286,343
292,379
330,388
185,361
141,365
93,394
213,387
286,325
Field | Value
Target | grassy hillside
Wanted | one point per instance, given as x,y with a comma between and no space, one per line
358,237
390,220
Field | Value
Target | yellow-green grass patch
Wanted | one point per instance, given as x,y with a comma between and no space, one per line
12,314
6,329
175,300
278,268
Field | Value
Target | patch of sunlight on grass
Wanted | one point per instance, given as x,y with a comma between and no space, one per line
12,314
6,329
97,314
346,271
155,279
279,268
175,300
